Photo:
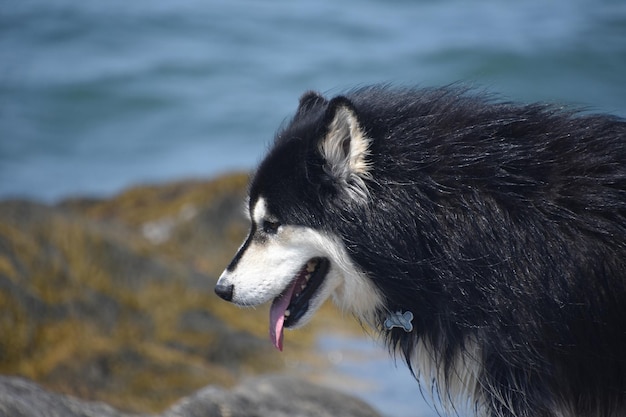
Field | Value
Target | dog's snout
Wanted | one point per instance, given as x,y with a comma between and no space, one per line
224,291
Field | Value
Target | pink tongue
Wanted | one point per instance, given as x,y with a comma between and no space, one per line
277,317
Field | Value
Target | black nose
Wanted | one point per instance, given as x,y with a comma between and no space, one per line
224,291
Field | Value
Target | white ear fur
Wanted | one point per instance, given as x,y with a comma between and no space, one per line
346,150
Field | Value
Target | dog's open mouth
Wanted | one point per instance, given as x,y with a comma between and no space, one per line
289,307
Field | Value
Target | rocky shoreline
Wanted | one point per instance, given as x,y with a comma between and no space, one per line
111,300
275,396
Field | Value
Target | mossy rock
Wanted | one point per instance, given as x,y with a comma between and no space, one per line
113,299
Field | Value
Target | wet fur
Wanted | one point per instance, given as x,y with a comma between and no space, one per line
501,227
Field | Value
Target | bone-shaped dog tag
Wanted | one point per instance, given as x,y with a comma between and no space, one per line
399,319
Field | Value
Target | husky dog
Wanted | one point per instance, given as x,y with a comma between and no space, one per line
485,241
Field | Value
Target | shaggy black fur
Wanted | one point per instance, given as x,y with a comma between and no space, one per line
502,227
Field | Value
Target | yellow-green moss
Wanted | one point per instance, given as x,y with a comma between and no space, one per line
142,204
96,296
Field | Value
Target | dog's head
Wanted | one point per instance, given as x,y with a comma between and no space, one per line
293,255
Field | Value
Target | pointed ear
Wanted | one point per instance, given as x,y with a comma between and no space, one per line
345,147
309,100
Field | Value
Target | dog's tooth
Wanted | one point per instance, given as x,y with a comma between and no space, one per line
310,266
287,313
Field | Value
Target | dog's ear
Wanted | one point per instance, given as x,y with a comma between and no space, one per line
345,147
309,100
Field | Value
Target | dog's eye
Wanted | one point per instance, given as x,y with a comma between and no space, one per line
270,227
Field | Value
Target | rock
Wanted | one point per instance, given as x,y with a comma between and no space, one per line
112,300
22,398
275,396
92,306
268,396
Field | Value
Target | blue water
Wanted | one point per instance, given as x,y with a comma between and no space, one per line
363,368
98,95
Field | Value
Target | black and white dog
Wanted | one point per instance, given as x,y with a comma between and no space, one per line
485,241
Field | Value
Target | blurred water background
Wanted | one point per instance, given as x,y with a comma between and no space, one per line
96,96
